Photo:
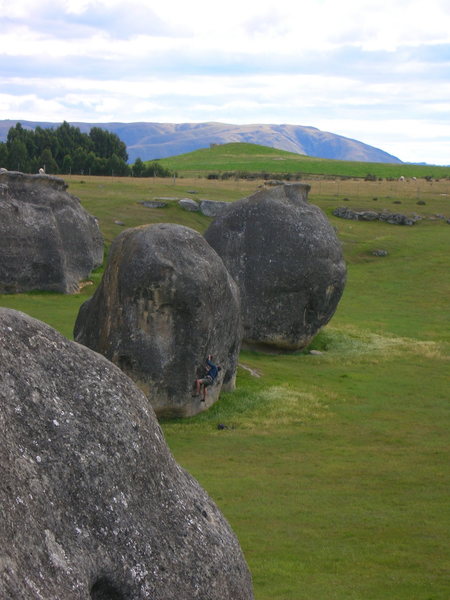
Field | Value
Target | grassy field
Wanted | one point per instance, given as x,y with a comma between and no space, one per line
252,158
333,469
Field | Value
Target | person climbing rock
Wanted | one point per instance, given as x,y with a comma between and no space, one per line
201,385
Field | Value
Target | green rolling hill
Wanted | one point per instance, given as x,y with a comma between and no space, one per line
252,158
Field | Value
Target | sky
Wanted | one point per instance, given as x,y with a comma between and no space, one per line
377,71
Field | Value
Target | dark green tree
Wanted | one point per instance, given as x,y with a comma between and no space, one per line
138,168
100,166
21,148
105,144
117,166
66,150
66,168
18,159
3,155
47,162
45,139
155,169
79,159
69,138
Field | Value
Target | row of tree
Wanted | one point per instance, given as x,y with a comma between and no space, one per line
66,150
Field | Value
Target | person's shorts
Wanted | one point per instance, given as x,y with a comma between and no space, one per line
206,381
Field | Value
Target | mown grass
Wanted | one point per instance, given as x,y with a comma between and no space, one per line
252,158
332,468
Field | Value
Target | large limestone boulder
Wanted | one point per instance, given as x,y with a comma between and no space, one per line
166,301
93,504
47,239
287,261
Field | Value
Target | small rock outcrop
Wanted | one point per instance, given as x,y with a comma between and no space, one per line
47,239
166,301
287,261
371,215
189,204
93,504
154,204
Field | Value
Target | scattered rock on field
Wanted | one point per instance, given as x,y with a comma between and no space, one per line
189,204
370,215
154,204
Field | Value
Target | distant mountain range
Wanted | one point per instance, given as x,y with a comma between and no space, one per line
160,140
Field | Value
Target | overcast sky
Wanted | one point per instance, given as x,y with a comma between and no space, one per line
374,70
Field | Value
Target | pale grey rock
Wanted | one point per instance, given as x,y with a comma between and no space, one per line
370,215
48,241
213,208
166,301
189,204
287,261
154,204
93,504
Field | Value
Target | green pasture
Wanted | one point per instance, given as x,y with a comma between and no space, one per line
252,158
333,468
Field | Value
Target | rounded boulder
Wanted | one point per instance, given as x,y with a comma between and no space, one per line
166,302
94,505
48,241
287,261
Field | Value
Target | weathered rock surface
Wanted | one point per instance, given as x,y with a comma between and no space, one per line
287,261
189,204
166,301
93,504
154,204
371,215
47,239
213,208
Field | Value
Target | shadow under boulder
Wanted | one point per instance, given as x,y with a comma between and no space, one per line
94,506
166,301
287,261
48,241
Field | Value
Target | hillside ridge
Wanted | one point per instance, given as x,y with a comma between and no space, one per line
148,140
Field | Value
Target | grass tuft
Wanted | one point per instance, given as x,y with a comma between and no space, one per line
349,341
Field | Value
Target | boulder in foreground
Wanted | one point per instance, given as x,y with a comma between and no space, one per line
93,504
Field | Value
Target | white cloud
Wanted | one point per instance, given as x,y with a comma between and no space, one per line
374,70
